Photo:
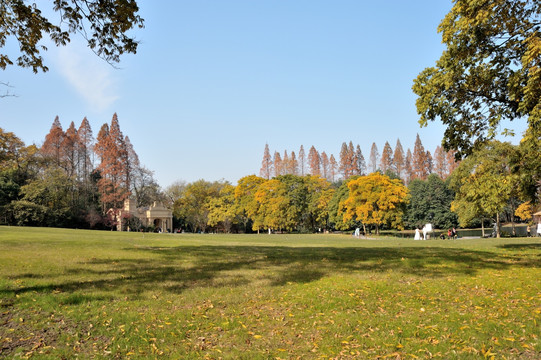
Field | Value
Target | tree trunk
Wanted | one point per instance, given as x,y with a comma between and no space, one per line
483,227
513,218
498,225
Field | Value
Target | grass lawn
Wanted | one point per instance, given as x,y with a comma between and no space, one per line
88,294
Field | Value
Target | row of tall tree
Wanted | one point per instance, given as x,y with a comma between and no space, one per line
351,162
492,186
72,179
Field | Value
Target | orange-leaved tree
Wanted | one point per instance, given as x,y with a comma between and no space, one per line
314,161
377,200
117,160
386,162
52,146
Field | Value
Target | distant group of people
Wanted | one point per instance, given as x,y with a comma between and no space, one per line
423,234
451,234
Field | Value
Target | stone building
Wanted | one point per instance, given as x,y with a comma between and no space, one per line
157,215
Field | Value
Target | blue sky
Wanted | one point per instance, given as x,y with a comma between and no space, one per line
213,81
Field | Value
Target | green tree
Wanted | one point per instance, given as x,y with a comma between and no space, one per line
192,207
319,195
9,191
337,208
16,158
527,165
27,213
484,183
489,71
52,193
430,202
104,24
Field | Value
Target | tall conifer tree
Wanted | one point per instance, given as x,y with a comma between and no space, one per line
52,146
429,163
333,168
440,163
69,151
324,165
344,161
285,163
399,159
278,165
85,145
452,164
374,156
266,164
408,168
293,165
314,161
351,160
112,150
302,160
131,163
419,160
361,163
386,162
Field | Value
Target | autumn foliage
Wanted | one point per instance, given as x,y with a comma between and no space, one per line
351,162
72,180
377,200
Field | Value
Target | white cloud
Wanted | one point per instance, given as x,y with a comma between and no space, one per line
91,77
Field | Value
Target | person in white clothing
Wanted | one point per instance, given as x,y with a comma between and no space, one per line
539,229
417,234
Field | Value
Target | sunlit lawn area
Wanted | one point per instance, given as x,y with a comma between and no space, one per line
89,294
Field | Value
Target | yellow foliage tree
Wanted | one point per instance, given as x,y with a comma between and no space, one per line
223,209
248,207
525,211
273,206
377,200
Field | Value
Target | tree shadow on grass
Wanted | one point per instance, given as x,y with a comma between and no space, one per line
177,269
530,246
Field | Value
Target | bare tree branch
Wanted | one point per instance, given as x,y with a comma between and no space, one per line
6,93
